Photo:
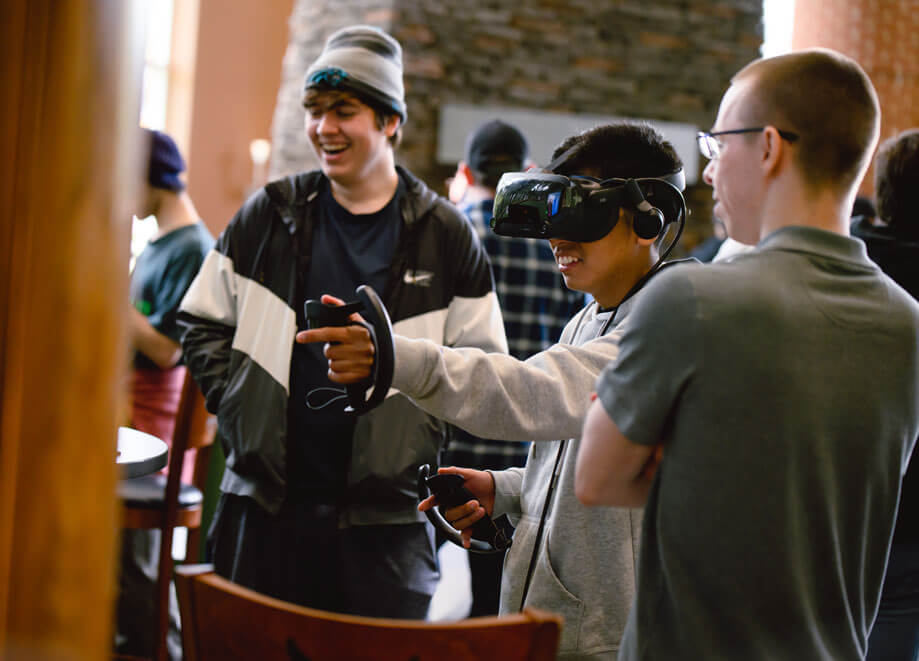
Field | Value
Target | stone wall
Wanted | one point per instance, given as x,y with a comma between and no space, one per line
655,59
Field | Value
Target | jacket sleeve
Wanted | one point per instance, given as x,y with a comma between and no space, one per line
208,314
508,487
544,398
207,318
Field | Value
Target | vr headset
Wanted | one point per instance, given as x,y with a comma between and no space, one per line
543,205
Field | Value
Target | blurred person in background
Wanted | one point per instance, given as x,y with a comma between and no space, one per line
892,241
161,276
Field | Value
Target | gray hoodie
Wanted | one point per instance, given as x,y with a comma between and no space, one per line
585,568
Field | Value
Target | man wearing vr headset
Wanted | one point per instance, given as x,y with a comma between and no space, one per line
784,387
603,228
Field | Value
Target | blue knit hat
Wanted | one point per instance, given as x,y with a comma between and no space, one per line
365,61
166,163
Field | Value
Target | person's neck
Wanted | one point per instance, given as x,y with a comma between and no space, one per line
371,192
175,210
627,276
790,202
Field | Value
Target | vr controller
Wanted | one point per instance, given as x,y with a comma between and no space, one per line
450,492
371,308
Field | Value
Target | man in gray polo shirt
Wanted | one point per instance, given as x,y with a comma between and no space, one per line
763,410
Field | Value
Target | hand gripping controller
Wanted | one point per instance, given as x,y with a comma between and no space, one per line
450,492
371,308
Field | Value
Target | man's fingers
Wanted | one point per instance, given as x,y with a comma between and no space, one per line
427,503
349,352
357,334
347,366
347,378
464,516
328,299
454,514
324,334
351,335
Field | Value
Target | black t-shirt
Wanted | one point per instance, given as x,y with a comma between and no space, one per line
348,250
162,274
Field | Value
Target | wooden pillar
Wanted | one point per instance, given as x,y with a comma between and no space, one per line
68,145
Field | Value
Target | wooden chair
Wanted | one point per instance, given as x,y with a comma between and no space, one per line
222,620
164,502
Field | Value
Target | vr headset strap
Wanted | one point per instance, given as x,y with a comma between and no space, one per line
678,179
561,159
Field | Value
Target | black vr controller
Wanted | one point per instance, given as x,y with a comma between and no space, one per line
450,492
371,308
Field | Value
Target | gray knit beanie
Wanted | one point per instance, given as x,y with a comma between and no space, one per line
365,61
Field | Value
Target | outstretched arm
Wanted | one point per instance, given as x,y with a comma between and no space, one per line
490,395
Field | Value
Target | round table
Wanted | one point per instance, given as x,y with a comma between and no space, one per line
140,453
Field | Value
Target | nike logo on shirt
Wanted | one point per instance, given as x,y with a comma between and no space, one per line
420,278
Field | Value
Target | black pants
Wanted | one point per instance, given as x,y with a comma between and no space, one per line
301,555
485,578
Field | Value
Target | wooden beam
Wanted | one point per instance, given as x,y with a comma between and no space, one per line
69,141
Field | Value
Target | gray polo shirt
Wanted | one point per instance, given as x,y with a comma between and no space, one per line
784,386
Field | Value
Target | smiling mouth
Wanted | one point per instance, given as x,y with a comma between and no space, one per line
333,149
566,261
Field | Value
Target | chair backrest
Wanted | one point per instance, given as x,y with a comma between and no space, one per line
194,426
195,429
222,620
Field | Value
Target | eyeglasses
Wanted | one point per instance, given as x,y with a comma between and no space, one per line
710,145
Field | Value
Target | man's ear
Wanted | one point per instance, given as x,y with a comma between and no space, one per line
463,170
775,150
459,183
392,125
